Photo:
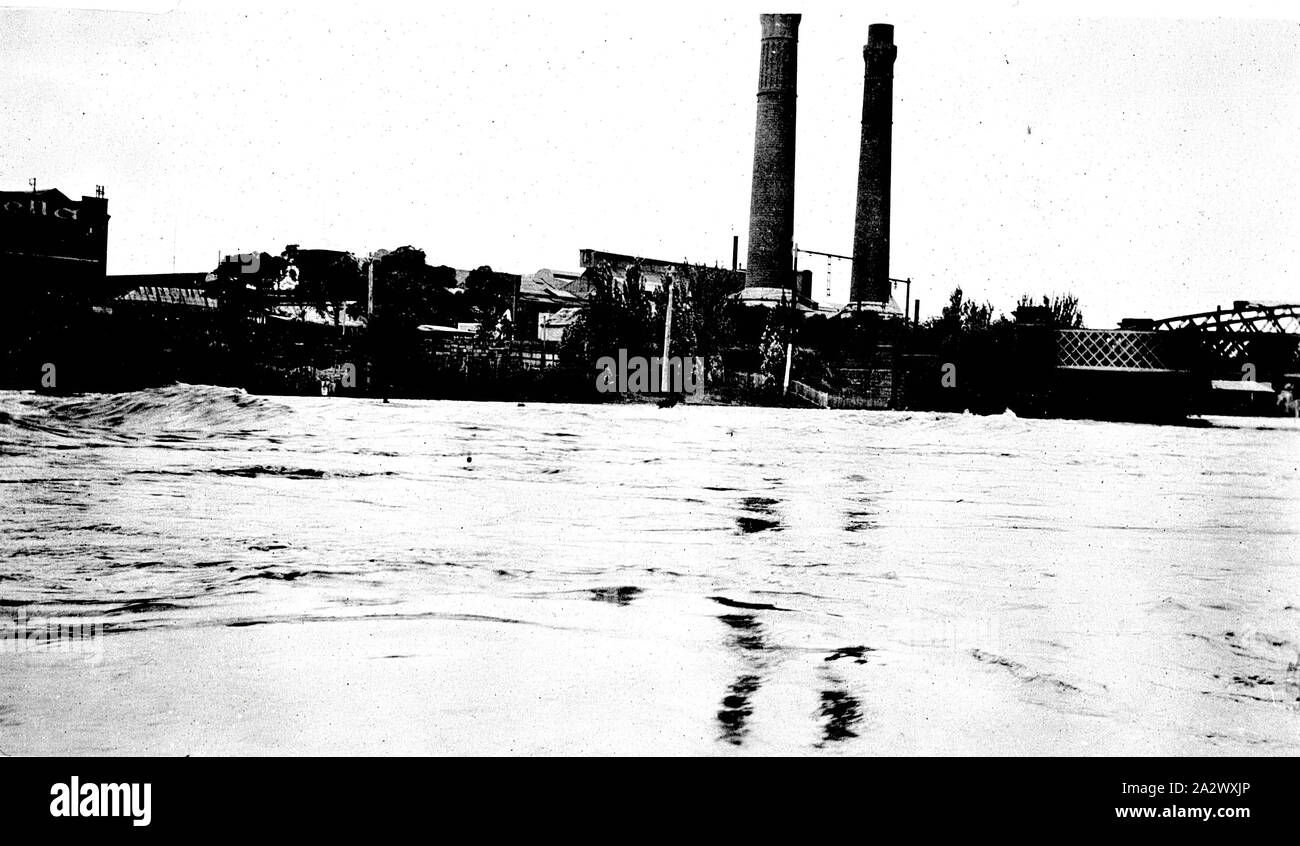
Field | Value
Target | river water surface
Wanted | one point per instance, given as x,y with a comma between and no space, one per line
302,575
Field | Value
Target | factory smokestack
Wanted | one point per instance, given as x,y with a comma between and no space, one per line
771,205
870,282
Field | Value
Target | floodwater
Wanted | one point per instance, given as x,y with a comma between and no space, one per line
301,575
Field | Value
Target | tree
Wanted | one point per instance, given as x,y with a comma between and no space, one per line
245,284
1064,309
634,310
772,354
488,296
705,312
617,317
959,318
962,315
327,280
408,292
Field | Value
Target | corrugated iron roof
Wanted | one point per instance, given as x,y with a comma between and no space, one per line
536,289
160,295
1242,385
561,318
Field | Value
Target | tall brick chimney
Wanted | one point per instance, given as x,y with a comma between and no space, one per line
771,204
870,281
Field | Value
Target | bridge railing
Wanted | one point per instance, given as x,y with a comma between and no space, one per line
1114,349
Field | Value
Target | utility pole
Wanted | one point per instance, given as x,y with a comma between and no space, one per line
794,313
789,357
370,288
794,279
907,297
668,329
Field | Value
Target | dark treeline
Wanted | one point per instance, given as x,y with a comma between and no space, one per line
282,318
971,358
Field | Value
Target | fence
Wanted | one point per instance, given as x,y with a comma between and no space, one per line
825,399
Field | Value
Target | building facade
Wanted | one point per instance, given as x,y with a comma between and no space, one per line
51,243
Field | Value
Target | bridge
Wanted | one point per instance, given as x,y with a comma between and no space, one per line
1248,331
1243,318
1144,366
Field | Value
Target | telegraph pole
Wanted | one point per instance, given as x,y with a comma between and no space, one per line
370,288
668,329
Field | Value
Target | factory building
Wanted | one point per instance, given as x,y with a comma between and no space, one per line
50,243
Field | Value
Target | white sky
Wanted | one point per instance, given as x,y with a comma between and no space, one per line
1145,163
